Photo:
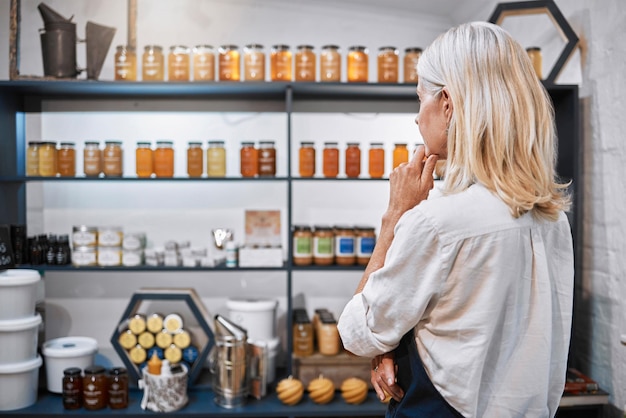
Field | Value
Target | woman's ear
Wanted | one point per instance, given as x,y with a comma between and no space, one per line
446,103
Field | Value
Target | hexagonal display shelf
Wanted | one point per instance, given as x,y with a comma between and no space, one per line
182,301
549,8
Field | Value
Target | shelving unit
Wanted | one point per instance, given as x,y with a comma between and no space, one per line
17,98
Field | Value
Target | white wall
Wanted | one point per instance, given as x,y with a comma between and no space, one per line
600,309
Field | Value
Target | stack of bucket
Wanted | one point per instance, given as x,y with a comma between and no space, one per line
19,332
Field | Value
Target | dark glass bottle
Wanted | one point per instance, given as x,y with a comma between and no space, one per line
43,244
63,252
51,252
118,388
35,252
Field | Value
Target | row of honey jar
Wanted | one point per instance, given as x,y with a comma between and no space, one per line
46,159
321,334
326,245
95,388
200,63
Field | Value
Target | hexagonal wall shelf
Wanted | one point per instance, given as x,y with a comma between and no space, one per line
549,8
183,300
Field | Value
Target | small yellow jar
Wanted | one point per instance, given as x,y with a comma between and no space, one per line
47,159
203,63
178,63
125,63
152,63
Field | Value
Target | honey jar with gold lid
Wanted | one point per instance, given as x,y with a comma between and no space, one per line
178,63
152,63
253,63
330,64
281,63
203,63
125,63
358,64
305,63
388,64
411,57
229,63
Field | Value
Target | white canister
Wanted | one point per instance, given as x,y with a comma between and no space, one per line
257,316
18,293
65,352
18,384
18,339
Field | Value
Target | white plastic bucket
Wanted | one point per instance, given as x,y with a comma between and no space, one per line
62,353
18,339
18,293
18,384
257,316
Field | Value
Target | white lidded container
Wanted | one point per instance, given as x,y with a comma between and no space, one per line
257,316
62,353
18,293
18,339
18,384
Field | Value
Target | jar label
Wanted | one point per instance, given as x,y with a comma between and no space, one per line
84,258
345,246
110,238
84,239
323,247
302,247
365,246
109,258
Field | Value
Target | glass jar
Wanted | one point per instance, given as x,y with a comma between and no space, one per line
125,63
330,159
118,388
94,388
195,159
534,53
328,340
345,254
302,336
229,63
178,63
203,63
248,159
358,64
66,159
144,160
364,243
47,159
32,158
72,388
388,64
253,63
267,158
330,64
164,159
353,160
216,159
400,154
280,63
92,159
112,161
302,245
305,63
376,160
411,57
152,63
306,159
323,246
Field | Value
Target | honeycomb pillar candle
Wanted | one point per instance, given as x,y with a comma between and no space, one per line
154,364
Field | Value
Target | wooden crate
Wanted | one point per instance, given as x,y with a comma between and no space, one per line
336,368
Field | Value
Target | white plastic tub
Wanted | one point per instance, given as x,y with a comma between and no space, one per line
18,339
257,316
62,353
18,384
18,293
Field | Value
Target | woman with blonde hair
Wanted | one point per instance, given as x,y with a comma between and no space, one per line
466,305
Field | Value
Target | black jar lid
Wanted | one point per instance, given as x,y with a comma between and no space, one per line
94,370
117,371
413,49
72,371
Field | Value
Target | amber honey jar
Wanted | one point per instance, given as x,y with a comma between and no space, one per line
112,159
144,166
323,245
400,154
216,159
306,159
248,159
305,63
328,340
302,245
376,160
358,64
47,153
302,333
330,160
152,63
32,158
388,64
353,160
164,159
203,63
411,57
280,63
92,159
534,53
267,159
95,388
229,63
195,159
117,388
66,159
125,63
330,64
72,388
178,63
253,63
